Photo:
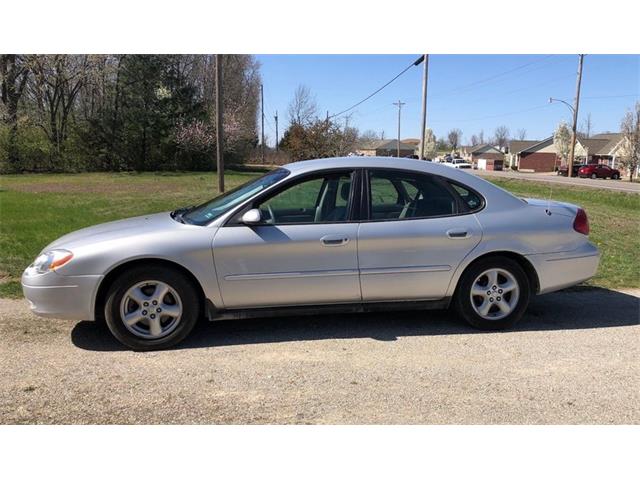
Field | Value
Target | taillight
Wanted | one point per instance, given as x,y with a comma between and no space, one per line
581,222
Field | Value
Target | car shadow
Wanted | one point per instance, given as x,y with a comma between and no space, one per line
577,308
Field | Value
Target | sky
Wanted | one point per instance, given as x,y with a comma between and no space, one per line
469,92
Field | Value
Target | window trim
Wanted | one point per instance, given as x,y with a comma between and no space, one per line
353,204
462,207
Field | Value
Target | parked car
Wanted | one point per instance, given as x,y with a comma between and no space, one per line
458,163
598,171
564,169
331,235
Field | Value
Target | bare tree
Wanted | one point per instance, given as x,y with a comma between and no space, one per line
474,140
587,126
630,147
522,134
453,136
562,141
368,136
501,136
481,137
303,107
14,73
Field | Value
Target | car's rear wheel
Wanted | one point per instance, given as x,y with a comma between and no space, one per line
594,176
151,308
493,293
615,176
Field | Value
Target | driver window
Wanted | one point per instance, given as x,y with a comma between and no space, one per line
317,200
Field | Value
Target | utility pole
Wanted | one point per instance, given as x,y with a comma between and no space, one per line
262,120
219,127
576,103
399,104
276,118
425,77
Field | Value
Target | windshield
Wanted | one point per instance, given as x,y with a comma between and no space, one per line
209,211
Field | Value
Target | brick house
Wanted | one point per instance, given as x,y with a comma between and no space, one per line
385,148
485,151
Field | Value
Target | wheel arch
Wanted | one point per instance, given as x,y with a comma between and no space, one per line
110,277
527,266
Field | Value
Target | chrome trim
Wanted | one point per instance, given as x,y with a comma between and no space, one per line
416,269
272,276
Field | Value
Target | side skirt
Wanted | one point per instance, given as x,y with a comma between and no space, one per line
215,314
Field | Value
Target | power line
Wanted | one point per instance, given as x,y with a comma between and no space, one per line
413,64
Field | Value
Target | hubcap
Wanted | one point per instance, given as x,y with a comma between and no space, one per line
494,294
151,309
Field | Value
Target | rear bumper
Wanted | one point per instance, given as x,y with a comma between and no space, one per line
60,296
561,270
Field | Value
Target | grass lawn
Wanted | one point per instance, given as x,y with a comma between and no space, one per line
36,209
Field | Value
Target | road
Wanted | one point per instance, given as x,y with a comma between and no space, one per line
573,359
615,185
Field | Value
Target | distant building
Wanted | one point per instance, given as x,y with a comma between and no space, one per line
485,151
385,148
542,155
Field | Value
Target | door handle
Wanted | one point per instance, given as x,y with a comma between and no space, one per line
458,233
334,240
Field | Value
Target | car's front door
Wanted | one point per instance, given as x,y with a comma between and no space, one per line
419,228
303,252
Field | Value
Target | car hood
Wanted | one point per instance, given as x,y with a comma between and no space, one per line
134,226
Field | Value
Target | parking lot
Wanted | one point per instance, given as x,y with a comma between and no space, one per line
573,359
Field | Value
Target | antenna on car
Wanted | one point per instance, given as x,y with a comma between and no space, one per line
548,209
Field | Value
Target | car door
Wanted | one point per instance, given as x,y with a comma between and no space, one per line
304,252
418,229
604,171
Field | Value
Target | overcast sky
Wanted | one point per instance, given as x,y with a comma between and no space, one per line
469,92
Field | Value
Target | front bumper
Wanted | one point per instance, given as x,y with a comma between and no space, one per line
565,269
67,297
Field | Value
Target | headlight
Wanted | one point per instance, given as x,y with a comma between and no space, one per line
51,260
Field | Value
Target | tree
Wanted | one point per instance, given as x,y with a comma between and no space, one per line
501,136
481,137
522,134
318,139
14,73
430,144
453,136
368,136
587,126
474,140
630,146
562,141
302,108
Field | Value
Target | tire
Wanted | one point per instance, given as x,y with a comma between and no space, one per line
594,176
519,298
179,307
615,176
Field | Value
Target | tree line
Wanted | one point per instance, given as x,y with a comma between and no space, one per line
123,112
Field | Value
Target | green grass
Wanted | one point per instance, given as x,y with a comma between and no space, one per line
37,209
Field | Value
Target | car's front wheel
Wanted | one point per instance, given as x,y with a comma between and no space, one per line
493,293
151,308
594,176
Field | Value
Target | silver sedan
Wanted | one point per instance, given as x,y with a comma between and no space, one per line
330,235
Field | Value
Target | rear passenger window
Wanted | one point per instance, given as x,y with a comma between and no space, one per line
399,195
472,200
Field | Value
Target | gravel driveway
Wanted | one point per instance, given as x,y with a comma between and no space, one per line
573,359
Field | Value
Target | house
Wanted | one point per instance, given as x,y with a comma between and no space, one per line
483,151
515,148
542,156
534,156
384,148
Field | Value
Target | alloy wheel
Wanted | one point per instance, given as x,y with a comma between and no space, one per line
494,294
151,309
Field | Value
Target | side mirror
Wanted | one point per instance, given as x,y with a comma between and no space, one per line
252,217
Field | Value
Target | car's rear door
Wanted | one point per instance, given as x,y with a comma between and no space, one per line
413,237
305,251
